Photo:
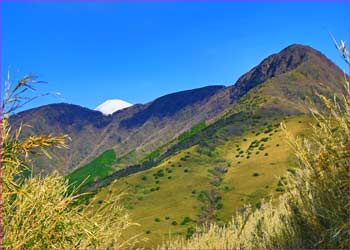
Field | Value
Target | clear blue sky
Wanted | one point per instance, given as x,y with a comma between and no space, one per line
91,52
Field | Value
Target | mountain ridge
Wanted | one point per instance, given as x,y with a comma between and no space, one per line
144,127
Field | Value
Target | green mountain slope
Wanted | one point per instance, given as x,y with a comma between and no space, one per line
279,96
237,159
143,128
207,185
99,168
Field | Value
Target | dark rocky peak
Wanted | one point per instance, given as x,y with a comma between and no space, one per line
276,64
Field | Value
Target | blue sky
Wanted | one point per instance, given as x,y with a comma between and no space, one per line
93,51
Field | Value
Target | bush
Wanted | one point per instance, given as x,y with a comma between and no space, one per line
157,219
190,232
186,220
256,174
219,206
174,223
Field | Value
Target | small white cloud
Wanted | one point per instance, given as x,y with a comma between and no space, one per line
111,106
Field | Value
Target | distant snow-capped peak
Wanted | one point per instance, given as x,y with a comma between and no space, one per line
111,106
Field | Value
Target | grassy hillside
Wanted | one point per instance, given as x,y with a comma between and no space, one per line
207,185
218,167
100,167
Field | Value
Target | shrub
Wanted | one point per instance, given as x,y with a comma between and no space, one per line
157,219
280,189
190,232
256,174
219,206
291,170
174,223
186,220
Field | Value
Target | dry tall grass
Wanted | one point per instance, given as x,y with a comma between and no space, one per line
314,212
41,212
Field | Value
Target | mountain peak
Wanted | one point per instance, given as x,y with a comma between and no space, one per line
286,60
112,105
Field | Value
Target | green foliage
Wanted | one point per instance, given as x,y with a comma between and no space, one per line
98,168
185,220
194,130
153,155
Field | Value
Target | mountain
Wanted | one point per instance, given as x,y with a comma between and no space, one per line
136,131
211,151
111,106
237,159
277,92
